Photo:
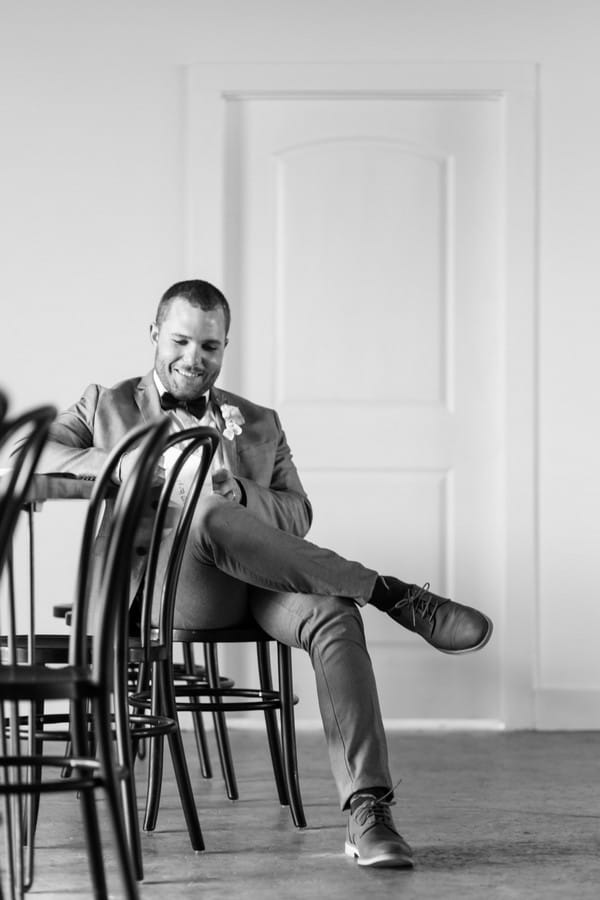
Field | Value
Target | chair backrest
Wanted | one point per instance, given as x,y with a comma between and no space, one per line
31,428
110,572
203,439
3,407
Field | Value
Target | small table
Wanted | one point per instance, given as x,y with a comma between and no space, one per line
55,486
49,486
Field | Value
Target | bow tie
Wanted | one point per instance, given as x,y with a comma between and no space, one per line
195,407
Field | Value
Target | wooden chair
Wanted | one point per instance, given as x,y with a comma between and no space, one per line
98,689
219,700
190,694
156,714
155,723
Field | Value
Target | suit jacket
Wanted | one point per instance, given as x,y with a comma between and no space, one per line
82,436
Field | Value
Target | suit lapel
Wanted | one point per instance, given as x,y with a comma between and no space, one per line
147,399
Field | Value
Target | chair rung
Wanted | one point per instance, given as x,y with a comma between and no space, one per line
93,779
150,726
227,699
269,696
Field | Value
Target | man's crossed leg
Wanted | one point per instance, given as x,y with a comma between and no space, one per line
307,596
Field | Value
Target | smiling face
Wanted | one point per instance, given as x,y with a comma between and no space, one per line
189,347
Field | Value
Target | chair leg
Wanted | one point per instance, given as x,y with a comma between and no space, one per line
221,733
155,758
126,760
104,743
266,684
290,759
138,681
9,839
89,811
40,710
91,828
36,748
180,767
12,808
199,730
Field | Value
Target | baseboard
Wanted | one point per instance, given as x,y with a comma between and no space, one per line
250,724
555,710
560,709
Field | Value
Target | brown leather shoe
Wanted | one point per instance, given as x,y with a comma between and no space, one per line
446,625
372,838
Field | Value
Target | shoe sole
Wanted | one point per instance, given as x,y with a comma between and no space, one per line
478,646
379,862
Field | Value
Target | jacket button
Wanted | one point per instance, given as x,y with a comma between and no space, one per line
141,551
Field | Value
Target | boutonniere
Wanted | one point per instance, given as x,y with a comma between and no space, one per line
233,421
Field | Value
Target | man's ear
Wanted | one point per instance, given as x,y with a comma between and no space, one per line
153,332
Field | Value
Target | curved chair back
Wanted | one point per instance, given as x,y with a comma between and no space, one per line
3,407
192,440
32,428
114,579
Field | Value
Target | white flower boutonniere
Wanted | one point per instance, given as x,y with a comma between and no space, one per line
233,421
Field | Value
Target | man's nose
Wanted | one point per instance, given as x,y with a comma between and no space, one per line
193,358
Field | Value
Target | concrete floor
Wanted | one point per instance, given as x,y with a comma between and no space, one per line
488,815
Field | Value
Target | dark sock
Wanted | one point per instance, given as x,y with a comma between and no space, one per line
387,592
377,792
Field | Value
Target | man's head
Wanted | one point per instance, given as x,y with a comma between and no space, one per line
190,336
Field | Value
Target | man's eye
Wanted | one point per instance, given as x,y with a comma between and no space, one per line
179,342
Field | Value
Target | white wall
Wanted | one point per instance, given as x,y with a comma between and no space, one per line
91,213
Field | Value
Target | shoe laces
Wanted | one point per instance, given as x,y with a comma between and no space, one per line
374,810
421,602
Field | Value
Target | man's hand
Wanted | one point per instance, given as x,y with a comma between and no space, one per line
224,483
128,463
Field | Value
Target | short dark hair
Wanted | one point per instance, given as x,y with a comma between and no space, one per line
197,293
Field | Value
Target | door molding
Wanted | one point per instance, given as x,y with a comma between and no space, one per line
209,229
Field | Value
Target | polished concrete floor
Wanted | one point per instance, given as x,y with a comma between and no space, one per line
488,815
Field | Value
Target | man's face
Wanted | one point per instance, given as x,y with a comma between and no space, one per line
189,347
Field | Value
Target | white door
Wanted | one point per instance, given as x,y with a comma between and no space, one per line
361,236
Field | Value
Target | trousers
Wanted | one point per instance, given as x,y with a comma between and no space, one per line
302,595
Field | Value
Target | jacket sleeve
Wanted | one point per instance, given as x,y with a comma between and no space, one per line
284,502
70,447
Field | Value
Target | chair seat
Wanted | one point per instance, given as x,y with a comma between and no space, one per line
237,634
40,683
50,649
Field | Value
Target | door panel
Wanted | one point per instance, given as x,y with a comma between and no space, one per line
367,244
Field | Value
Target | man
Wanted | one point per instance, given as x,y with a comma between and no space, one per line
247,551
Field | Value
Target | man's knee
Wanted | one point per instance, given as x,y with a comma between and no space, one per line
208,515
332,619
307,620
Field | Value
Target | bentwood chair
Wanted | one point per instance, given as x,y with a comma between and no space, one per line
143,655
188,693
197,697
155,711
95,691
33,429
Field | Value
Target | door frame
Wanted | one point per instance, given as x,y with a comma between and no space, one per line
210,87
